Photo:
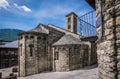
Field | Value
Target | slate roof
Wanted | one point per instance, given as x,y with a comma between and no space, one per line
64,31
38,29
13,44
71,14
67,39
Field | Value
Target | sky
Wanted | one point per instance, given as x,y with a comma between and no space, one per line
27,14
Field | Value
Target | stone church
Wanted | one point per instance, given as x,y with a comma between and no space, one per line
50,48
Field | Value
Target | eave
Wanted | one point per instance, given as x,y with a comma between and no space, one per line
91,3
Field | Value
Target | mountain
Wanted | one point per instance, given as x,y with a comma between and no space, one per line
9,34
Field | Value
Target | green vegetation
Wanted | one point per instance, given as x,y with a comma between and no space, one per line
9,34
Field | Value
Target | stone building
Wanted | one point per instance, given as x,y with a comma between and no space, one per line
108,43
39,49
9,54
69,53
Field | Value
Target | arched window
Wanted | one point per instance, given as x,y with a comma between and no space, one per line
21,37
70,50
31,37
69,19
56,55
31,49
39,37
69,27
44,38
75,20
21,49
26,37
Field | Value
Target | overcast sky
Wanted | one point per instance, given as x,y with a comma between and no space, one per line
27,14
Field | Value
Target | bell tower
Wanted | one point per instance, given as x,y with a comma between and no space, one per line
71,22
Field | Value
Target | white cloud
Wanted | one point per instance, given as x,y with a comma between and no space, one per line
4,4
24,8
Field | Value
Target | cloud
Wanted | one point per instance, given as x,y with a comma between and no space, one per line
4,4
49,13
24,8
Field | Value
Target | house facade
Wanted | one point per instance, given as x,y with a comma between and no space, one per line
9,54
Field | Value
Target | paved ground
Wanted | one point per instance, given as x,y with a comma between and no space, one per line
89,72
6,71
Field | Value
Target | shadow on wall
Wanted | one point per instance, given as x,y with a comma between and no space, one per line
90,67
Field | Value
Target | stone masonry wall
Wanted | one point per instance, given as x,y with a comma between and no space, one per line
53,36
78,56
11,55
62,62
108,47
32,54
21,55
93,53
42,53
70,57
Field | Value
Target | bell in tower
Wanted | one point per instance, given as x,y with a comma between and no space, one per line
71,22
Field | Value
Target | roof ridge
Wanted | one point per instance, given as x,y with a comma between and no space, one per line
39,29
10,45
61,29
54,27
67,39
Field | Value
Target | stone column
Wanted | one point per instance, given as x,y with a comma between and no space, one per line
68,58
19,56
22,57
108,45
36,54
89,54
53,49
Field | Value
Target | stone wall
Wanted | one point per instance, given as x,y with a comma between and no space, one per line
78,56
93,53
61,58
71,23
42,53
53,36
30,64
108,45
32,54
8,57
21,55
41,58
70,57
